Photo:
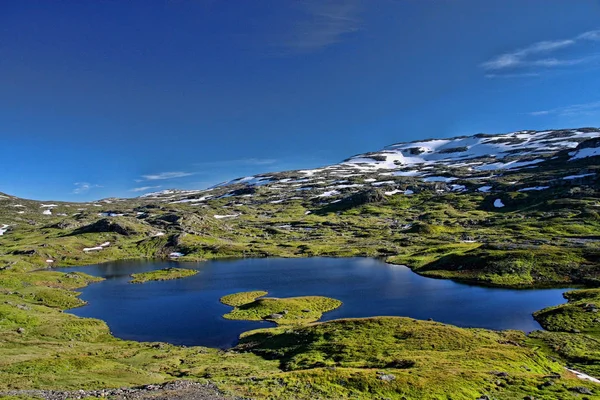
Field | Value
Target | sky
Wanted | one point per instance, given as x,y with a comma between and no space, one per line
118,98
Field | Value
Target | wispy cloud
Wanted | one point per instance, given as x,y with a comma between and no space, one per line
143,188
83,187
535,55
238,162
592,108
323,23
522,75
166,175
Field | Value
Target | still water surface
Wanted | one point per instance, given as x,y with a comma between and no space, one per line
187,311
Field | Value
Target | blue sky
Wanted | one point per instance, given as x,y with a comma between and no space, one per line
115,98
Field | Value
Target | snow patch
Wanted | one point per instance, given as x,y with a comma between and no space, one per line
217,216
583,376
393,192
584,153
439,179
498,203
484,189
329,193
381,183
533,188
88,249
577,176
3,229
47,212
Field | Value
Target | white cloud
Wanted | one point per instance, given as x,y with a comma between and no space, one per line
83,187
324,23
518,57
529,57
166,175
592,108
143,188
591,35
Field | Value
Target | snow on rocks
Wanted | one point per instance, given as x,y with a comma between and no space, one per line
382,183
498,203
176,254
217,216
393,192
571,177
439,179
534,188
584,153
3,229
329,193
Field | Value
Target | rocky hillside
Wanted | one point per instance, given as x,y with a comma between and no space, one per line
485,163
473,208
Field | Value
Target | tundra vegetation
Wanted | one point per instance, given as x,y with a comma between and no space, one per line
546,236
252,306
164,274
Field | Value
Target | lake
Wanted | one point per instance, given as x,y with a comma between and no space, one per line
188,312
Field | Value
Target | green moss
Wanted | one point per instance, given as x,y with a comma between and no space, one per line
241,298
293,310
164,274
346,358
580,314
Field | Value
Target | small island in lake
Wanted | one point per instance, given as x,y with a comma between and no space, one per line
252,306
164,274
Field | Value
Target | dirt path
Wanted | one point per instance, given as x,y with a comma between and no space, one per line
177,390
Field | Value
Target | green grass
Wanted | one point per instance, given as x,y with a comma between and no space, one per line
164,274
241,298
287,311
581,313
343,359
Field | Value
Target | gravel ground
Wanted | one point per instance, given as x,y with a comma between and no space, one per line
177,390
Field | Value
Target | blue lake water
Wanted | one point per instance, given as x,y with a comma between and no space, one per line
188,312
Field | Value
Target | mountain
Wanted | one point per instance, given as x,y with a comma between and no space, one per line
468,163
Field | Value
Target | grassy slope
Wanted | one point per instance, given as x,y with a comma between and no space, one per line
344,358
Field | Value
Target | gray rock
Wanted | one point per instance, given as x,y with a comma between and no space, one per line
386,377
274,316
581,389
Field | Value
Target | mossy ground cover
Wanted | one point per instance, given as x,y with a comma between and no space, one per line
580,314
573,330
392,357
164,274
251,306
241,298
